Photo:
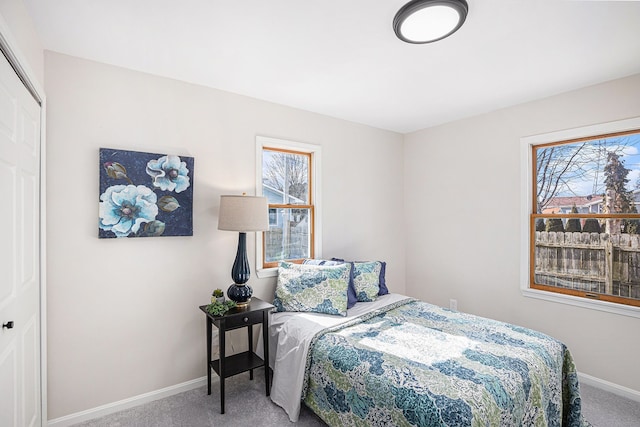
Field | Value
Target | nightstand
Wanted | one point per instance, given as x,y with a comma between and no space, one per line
256,312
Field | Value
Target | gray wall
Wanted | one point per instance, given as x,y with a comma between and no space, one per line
17,19
462,184
123,317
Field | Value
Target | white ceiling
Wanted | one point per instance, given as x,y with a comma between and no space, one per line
341,58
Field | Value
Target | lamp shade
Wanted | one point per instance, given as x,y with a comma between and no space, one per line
243,213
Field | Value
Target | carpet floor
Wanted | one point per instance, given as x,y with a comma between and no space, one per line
604,409
247,405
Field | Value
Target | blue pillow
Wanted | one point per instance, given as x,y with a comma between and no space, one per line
352,299
382,281
312,288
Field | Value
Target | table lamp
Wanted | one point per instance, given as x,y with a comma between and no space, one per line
243,214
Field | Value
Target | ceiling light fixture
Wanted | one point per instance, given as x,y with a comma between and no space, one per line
426,21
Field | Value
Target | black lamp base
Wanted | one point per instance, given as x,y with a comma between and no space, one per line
241,294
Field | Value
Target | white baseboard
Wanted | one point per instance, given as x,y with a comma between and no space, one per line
121,405
610,387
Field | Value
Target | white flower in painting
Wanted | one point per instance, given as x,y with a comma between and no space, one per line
123,208
169,173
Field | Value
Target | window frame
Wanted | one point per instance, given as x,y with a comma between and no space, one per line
609,304
315,153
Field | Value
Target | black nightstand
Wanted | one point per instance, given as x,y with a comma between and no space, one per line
256,312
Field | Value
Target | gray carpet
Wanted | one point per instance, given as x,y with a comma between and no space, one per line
247,405
603,409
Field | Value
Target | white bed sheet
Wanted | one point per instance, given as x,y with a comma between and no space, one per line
290,337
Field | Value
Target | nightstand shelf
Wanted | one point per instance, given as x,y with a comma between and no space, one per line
238,363
255,313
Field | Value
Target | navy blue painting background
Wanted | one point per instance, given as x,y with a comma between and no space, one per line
177,223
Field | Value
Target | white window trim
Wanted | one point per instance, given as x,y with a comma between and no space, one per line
316,150
526,168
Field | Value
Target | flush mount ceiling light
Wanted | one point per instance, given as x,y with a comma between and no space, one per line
426,21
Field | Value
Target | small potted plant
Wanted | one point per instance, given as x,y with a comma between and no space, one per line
218,296
218,308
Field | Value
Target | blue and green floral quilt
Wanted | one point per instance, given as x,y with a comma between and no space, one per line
415,364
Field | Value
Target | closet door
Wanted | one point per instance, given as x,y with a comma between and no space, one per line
20,352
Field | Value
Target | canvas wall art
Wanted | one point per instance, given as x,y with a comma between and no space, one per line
145,194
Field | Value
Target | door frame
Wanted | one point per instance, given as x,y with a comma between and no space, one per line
10,48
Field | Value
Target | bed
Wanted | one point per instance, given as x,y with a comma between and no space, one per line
397,361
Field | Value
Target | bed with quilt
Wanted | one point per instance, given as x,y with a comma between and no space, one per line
390,360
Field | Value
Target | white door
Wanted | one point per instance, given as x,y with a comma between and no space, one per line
20,394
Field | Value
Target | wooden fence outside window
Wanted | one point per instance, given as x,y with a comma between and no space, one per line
590,262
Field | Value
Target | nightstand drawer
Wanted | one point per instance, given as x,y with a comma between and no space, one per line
243,319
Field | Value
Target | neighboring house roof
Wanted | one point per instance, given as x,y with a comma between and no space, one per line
276,196
557,204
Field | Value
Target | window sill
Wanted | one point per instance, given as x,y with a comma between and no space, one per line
609,307
267,272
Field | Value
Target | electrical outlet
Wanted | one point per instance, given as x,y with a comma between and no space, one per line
453,304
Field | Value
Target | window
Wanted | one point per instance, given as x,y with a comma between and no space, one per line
583,220
273,217
287,173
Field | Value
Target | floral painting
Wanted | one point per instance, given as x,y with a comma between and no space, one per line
145,194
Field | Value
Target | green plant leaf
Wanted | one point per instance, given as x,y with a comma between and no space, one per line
168,203
116,171
218,309
154,228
